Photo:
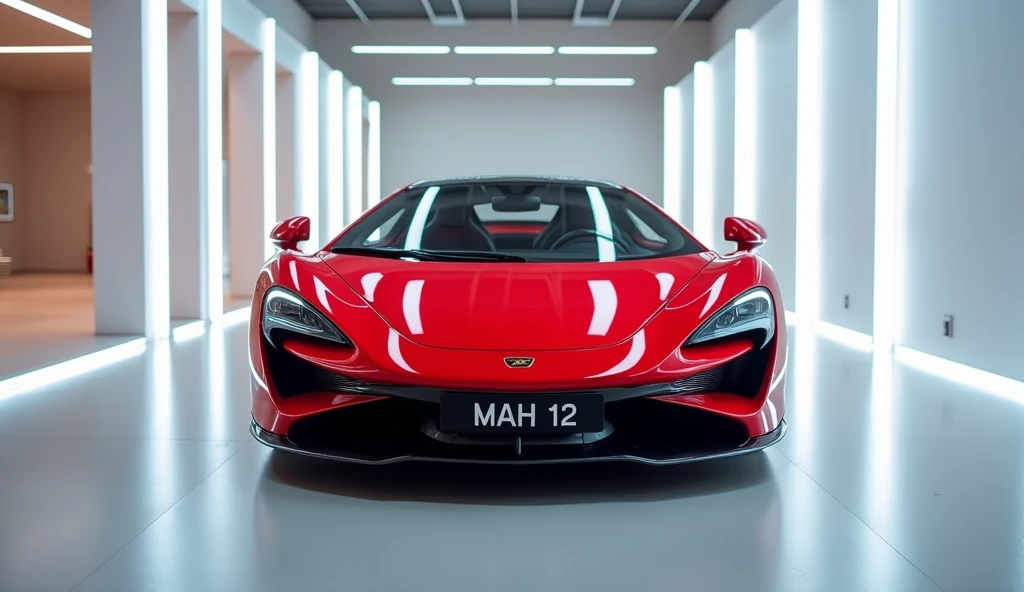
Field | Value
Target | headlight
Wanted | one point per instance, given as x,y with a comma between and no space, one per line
285,311
750,312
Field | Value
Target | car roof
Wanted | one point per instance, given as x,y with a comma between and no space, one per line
494,179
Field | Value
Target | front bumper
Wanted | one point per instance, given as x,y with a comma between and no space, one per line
605,450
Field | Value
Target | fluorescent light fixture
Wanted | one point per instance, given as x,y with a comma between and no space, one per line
672,196
431,81
594,82
519,81
703,151
269,39
236,316
49,17
844,336
887,159
309,142
354,152
23,49
402,49
745,145
155,173
373,156
335,152
504,49
995,384
212,147
188,331
808,173
607,50
73,368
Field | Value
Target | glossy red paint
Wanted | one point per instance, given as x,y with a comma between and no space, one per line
288,234
588,326
747,234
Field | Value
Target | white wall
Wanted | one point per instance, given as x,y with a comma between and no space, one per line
736,14
775,153
428,132
849,54
723,73
962,144
686,152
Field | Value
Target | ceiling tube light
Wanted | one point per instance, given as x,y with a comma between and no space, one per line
431,81
309,142
401,49
373,156
354,151
594,82
504,50
808,150
672,198
53,19
607,50
486,81
212,153
703,151
46,49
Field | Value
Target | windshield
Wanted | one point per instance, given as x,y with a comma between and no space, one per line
531,221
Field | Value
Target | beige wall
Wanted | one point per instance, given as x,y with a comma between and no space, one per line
45,153
12,234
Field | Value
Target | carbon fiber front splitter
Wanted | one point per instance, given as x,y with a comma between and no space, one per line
525,455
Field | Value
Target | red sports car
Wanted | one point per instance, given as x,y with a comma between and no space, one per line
521,320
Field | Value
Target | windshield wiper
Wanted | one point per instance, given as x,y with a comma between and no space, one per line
425,255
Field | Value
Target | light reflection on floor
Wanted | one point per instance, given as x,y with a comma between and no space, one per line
141,475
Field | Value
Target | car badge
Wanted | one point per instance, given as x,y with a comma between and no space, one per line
519,362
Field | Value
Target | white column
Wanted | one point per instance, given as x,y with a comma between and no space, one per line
334,210
246,140
354,152
287,180
373,156
185,133
130,185
308,148
324,138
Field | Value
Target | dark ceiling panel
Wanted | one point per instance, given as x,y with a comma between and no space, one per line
487,9
501,9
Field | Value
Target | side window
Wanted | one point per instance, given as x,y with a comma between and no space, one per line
646,231
382,234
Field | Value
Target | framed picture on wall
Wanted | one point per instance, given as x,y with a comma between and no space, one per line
6,202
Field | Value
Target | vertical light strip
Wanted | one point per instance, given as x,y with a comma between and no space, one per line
672,199
155,148
212,149
808,167
309,142
269,133
414,237
354,152
745,201
886,163
703,151
373,156
602,224
335,153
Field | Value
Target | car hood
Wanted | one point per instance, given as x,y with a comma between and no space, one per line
516,306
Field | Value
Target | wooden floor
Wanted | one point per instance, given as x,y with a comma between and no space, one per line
46,318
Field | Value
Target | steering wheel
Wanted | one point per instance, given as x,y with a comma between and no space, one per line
579,233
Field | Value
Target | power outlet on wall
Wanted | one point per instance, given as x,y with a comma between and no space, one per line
947,326
846,301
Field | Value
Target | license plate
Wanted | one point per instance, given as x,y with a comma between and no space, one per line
522,413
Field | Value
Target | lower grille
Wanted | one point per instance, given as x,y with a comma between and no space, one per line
294,376
742,376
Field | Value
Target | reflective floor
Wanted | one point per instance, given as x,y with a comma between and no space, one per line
142,476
